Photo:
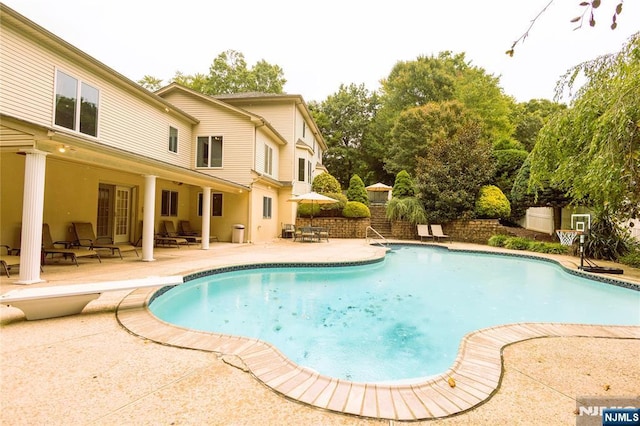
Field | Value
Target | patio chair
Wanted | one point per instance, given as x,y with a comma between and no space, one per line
49,247
437,232
288,230
85,237
423,232
8,260
169,230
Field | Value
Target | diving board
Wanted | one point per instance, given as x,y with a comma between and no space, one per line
58,301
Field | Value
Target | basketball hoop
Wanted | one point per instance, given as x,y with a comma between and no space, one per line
567,236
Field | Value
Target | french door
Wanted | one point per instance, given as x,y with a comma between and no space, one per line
114,212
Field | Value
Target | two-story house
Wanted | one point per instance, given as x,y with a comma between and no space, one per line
80,142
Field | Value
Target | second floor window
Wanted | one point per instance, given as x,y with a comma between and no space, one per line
209,151
173,139
169,203
301,174
268,160
76,105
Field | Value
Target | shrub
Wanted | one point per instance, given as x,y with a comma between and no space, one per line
492,203
517,243
498,240
357,191
544,247
403,185
607,239
356,209
632,258
326,183
409,209
324,210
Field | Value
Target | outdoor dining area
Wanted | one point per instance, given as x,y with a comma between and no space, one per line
310,233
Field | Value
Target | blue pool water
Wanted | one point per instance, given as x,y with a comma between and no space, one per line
399,319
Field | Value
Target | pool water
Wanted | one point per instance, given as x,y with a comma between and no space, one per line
395,320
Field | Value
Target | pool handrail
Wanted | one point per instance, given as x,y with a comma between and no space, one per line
366,236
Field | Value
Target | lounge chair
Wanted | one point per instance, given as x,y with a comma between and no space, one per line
423,232
437,232
85,237
8,260
184,228
49,247
170,231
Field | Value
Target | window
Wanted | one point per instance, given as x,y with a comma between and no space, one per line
209,151
169,203
304,128
266,207
173,139
309,171
301,162
69,113
268,160
216,201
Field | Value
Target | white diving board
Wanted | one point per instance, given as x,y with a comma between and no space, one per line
58,301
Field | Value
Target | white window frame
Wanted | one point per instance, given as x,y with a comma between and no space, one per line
209,161
173,140
268,160
267,205
77,118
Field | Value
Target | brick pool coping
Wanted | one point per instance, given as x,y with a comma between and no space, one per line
476,372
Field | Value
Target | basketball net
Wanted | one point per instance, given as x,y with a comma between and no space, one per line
567,236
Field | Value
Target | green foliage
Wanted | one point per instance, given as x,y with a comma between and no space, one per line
150,83
417,129
403,185
522,197
508,164
492,203
452,172
530,117
606,239
517,243
355,209
498,240
407,208
632,258
592,149
326,183
357,191
229,74
344,119
522,243
324,210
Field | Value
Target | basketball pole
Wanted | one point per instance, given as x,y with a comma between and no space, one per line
581,251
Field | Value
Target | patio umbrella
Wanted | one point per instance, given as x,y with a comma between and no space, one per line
379,187
312,198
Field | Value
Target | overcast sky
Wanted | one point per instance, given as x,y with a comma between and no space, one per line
331,42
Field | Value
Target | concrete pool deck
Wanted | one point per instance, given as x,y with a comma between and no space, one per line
87,368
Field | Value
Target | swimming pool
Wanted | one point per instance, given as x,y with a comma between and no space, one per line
399,319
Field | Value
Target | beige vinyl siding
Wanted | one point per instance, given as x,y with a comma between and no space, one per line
263,140
26,79
125,121
281,116
237,131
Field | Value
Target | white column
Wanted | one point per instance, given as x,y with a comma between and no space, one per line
206,216
149,216
32,212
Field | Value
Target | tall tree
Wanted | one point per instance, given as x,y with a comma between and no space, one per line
150,82
592,149
530,117
344,119
451,173
229,74
418,129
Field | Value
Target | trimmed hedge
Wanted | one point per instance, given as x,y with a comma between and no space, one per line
492,203
521,243
356,209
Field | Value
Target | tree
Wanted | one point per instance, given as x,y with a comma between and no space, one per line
229,74
357,191
530,117
403,185
418,128
508,164
150,83
588,11
343,119
592,149
451,172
